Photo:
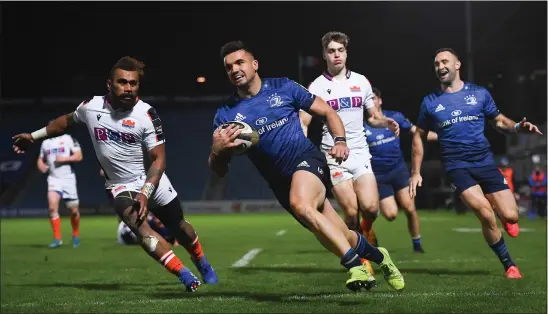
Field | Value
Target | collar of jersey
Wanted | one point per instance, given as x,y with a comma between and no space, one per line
330,77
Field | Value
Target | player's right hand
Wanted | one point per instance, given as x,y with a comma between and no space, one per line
141,203
21,142
394,126
340,152
223,139
415,180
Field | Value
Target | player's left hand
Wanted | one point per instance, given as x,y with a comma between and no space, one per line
416,179
528,127
141,203
340,152
394,126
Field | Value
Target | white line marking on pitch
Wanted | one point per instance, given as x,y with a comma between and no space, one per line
281,233
247,258
479,229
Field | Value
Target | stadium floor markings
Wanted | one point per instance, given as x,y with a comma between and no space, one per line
244,261
475,230
281,232
386,295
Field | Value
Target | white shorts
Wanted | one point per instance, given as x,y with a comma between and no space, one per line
357,164
163,194
66,187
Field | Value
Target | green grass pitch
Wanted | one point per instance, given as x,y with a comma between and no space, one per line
291,274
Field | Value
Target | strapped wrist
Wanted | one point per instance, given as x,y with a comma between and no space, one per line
39,134
147,189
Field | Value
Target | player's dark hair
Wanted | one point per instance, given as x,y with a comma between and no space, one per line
377,92
129,64
233,46
337,37
451,50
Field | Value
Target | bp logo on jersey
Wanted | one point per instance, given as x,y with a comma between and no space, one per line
471,100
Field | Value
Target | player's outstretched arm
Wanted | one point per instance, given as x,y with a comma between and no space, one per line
376,120
335,126
417,155
56,127
506,125
305,118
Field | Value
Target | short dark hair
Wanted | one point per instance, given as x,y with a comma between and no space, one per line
451,50
129,64
337,37
233,46
377,92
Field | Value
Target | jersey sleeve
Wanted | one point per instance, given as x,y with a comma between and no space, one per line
75,147
153,133
302,98
490,109
424,119
80,112
405,124
367,95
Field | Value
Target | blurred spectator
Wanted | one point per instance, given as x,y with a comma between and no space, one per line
537,181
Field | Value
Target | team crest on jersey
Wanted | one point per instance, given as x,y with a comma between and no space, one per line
274,100
355,89
128,123
471,100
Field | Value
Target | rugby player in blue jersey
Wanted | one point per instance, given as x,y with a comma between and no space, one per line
457,113
391,171
295,169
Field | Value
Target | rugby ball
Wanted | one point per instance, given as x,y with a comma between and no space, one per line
247,139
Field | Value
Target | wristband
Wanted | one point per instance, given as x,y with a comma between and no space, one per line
147,189
42,133
339,139
516,127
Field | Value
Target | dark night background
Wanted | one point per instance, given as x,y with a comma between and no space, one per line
67,49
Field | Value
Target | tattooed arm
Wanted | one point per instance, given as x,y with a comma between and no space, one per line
156,170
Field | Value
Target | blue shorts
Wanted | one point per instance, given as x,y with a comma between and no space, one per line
489,179
314,162
392,181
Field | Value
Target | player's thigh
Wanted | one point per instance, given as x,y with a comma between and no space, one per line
389,207
346,197
505,205
476,200
497,191
367,192
170,215
405,201
53,199
70,195
307,191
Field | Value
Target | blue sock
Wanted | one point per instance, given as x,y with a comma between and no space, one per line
502,252
350,259
417,245
365,250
